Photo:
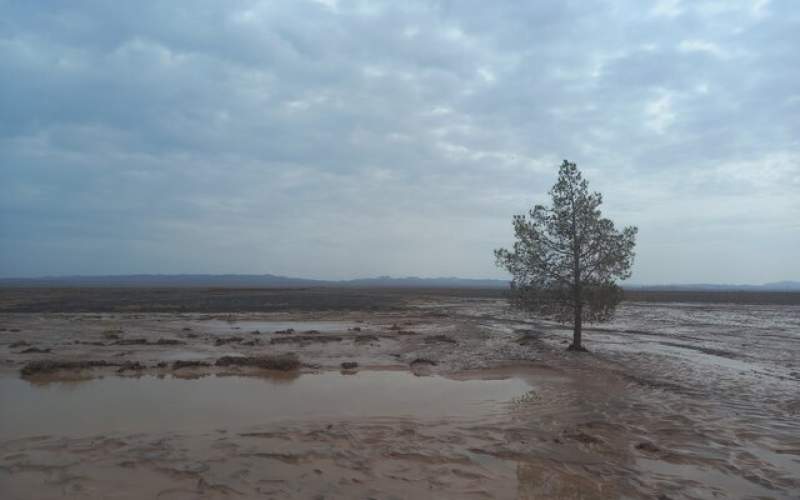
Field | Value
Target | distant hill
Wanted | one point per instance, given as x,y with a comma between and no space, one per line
414,282
166,280
777,286
245,281
273,281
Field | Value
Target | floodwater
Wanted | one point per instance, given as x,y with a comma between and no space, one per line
153,404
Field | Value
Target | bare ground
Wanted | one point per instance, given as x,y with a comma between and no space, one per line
675,400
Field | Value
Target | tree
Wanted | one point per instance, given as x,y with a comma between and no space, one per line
567,257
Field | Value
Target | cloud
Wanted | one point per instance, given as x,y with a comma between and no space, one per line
340,139
703,46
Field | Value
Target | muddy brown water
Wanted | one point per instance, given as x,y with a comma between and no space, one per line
153,404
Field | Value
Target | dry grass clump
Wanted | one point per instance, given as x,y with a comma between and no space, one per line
366,339
49,366
283,362
439,339
305,339
177,365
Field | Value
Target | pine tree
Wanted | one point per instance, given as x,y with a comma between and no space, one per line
567,257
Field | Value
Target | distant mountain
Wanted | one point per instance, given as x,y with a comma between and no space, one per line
414,282
246,281
166,280
777,286
789,286
273,281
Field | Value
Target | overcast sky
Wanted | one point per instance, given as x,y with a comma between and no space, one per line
334,139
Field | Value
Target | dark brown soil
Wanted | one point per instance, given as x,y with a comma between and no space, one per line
34,350
365,339
228,340
50,366
169,342
648,447
130,365
576,348
437,339
134,299
177,365
139,341
713,297
306,339
285,362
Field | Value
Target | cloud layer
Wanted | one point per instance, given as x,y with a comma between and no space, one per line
337,139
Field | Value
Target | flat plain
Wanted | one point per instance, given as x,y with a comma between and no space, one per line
394,393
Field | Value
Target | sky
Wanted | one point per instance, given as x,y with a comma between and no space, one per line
336,139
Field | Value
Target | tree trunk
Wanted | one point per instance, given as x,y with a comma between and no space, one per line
576,330
577,292
578,318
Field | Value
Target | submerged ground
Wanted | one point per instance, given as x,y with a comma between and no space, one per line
139,393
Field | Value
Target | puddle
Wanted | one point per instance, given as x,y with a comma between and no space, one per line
219,326
153,404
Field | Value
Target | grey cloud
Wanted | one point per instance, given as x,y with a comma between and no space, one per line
363,138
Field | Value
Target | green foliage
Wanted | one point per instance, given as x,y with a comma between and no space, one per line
567,257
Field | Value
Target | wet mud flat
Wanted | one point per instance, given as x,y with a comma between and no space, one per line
420,394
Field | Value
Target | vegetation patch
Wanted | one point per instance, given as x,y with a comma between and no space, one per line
648,447
306,339
112,334
423,361
34,350
284,362
50,366
136,341
177,365
169,342
366,339
440,339
130,365
528,336
228,340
